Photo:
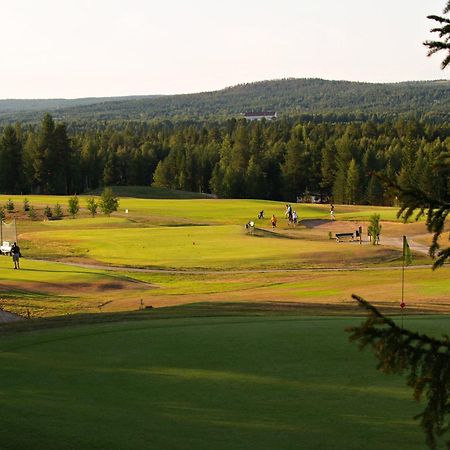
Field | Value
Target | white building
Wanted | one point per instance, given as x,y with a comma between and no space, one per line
259,115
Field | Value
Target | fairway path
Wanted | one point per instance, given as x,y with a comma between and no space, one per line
398,242
237,271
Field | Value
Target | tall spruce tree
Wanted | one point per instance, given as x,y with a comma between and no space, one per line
10,161
44,152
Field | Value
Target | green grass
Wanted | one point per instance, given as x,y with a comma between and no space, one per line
227,211
203,247
199,383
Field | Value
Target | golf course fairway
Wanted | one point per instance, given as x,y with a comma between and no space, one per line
256,381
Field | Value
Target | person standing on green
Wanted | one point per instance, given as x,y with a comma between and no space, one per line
15,253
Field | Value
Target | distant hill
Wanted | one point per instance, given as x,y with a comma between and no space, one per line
287,96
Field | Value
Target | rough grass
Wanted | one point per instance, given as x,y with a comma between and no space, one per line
51,289
227,382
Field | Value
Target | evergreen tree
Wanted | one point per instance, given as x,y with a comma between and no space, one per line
57,212
343,158
59,161
374,193
352,186
108,202
292,171
92,206
111,175
45,149
10,161
74,206
444,34
255,179
28,168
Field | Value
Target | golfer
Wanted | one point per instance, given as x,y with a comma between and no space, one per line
15,253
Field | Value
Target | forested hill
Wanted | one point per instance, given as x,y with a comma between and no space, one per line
288,96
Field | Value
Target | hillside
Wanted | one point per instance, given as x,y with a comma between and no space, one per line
287,96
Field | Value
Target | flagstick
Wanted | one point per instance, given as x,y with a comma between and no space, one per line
403,285
403,278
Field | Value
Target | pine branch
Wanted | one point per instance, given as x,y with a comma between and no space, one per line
426,361
415,202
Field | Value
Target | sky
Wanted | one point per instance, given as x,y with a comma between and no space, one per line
87,48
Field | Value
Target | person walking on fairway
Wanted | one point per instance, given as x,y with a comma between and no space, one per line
273,220
15,252
332,211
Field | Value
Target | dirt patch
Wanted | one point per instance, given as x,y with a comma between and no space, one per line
72,289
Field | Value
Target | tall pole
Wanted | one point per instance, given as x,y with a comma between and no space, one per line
402,304
15,230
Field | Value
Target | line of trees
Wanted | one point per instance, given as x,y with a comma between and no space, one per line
233,158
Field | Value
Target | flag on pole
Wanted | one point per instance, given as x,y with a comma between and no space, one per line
407,256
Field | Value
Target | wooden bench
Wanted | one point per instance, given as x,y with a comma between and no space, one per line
344,236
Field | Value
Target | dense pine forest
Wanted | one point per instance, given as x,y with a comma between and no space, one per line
334,100
282,159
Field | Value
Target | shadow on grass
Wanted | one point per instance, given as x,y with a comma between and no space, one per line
198,310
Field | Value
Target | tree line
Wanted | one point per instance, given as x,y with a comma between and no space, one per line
276,160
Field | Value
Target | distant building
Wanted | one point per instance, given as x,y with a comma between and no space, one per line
313,198
259,115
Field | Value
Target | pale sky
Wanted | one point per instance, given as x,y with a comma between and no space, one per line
83,48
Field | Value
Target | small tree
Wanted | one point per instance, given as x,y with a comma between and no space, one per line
48,212
32,213
57,212
374,228
108,203
2,213
74,206
92,206
10,205
26,205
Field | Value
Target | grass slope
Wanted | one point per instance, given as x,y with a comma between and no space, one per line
203,382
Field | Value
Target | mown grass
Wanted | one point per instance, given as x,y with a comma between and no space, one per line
227,382
205,247
226,211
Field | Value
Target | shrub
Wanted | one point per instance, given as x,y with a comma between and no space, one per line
26,205
92,206
48,212
108,203
57,212
10,205
74,206
32,213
